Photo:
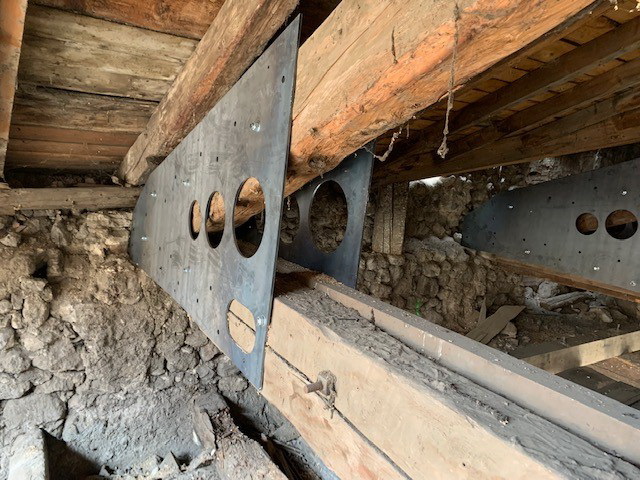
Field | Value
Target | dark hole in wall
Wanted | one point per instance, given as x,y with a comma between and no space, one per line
41,270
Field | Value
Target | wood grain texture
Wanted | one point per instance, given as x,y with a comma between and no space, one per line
586,354
442,428
74,52
12,14
372,65
222,56
185,18
88,198
611,122
44,107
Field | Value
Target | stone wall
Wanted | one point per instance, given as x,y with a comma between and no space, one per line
92,351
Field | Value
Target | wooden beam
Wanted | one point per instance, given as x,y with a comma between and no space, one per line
588,353
73,52
404,414
598,126
12,14
563,278
548,396
389,61
235,38
186,18
84,198
390,218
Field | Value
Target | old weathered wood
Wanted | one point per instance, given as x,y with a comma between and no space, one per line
186,18
586,354
490,327
87,198
12,14
390,217
586,58
74,52
440,429
609,123
565,403
389,62
563,277
235,38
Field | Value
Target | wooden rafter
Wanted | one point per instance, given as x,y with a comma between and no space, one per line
223,54
12,15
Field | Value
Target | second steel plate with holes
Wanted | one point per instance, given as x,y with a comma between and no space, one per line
537,225
354,176
245,135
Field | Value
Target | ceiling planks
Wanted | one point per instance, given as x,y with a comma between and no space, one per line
185,18
73,52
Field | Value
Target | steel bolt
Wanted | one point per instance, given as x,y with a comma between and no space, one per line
186,183
262,321
510,207
596,268
144,239
186,269
527,252
255,126
624,192
313,387
633,283
154,194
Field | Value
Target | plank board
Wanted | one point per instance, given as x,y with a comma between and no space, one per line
585,354
88,198
73,52
442,427
390,219
185,18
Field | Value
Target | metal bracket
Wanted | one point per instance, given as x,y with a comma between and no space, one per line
584,225
353,175
245,135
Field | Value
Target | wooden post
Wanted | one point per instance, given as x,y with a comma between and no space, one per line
390,218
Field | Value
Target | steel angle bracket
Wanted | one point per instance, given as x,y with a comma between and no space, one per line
579,225
245,135
353,175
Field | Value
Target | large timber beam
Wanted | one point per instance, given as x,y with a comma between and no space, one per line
372,65
12,13
473,412
85,198
236,37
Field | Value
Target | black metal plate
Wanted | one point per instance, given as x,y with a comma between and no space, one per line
537,225
354,176
245,135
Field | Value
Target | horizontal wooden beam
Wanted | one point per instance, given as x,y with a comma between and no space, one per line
233,41
400,414
575,356
83,198
563,278
186,18
12,15
73,52
389,62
